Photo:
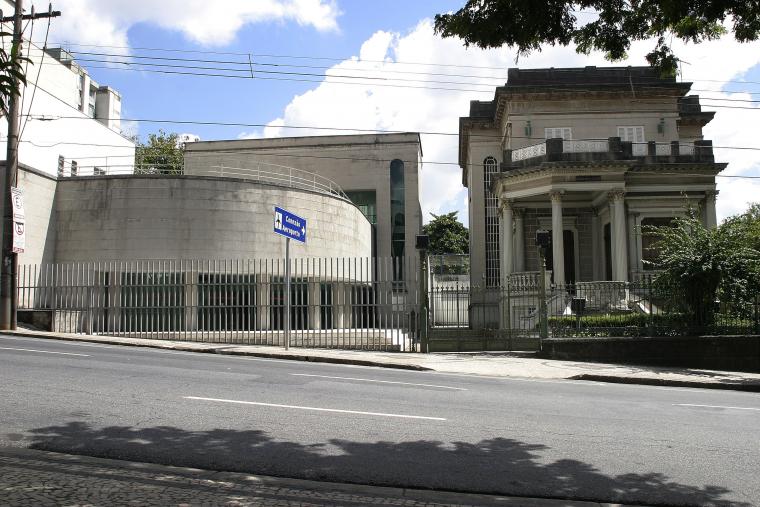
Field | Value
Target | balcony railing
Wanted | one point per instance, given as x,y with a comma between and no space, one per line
553,150
536,150
594,146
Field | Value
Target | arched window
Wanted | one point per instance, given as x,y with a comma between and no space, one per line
490,168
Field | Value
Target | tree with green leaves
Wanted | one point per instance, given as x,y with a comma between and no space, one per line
447,235
528,24
12,75
700,266
162,154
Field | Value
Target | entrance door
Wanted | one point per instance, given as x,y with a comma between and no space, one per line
607,252
568,238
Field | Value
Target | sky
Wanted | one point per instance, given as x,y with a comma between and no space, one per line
305,56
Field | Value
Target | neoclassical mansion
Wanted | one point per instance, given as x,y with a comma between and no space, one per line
592,155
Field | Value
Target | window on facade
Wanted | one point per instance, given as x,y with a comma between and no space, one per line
366,201
93,99
80,90
398,217
650,253
565,133
631,134
490,168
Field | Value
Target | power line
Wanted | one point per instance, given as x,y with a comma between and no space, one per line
245,69
282,56
259,71
288,79
246,65
216,153
334,129
322,58
245,73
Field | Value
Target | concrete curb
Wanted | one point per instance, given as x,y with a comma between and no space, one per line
244,481
752,387
221,349
230,350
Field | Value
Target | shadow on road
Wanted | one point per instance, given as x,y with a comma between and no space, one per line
497,465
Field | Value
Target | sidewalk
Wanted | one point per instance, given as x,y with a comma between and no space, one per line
40,478
514,365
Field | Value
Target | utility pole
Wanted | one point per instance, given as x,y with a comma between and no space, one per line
8,263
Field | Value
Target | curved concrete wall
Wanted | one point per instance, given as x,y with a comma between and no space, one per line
186,217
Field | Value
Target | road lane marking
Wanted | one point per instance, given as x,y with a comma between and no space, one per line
45,352
714,406
315,409
379,381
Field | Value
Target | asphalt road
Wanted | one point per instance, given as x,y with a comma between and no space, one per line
557,439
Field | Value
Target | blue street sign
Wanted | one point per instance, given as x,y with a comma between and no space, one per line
289,225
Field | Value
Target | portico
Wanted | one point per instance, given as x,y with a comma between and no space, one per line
594,208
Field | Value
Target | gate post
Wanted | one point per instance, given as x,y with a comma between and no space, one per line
422,242
543,317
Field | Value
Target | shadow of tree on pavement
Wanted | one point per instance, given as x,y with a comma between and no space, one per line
499,465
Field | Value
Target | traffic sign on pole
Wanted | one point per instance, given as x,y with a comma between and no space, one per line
292,227
289,225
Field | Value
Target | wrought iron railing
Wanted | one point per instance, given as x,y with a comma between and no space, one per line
591,309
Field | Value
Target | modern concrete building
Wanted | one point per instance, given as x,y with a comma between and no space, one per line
590,154
378,172
137,254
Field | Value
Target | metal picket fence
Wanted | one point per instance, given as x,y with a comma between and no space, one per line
348,303
588,309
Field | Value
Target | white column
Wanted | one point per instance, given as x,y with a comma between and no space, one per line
341,305
613,247
263,302
191,300
558,244
597,259
507,241
519,241
314,303
619,261
711,219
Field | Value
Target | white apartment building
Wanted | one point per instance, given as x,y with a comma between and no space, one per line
70,125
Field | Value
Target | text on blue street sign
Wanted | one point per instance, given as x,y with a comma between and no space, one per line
289,225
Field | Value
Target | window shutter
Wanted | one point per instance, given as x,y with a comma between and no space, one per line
565,133
632,134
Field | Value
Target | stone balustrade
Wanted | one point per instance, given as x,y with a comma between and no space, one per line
613,148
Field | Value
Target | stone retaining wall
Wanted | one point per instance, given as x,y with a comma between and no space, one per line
732,353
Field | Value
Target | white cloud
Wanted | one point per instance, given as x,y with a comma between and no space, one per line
201,21
387,108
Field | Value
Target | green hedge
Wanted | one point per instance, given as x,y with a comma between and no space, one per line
637,324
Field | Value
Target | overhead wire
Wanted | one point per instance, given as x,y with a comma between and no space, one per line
318,58
244,72
37,79
214,154
282,56
333,129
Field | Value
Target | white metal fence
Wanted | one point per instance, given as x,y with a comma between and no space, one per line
351,303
